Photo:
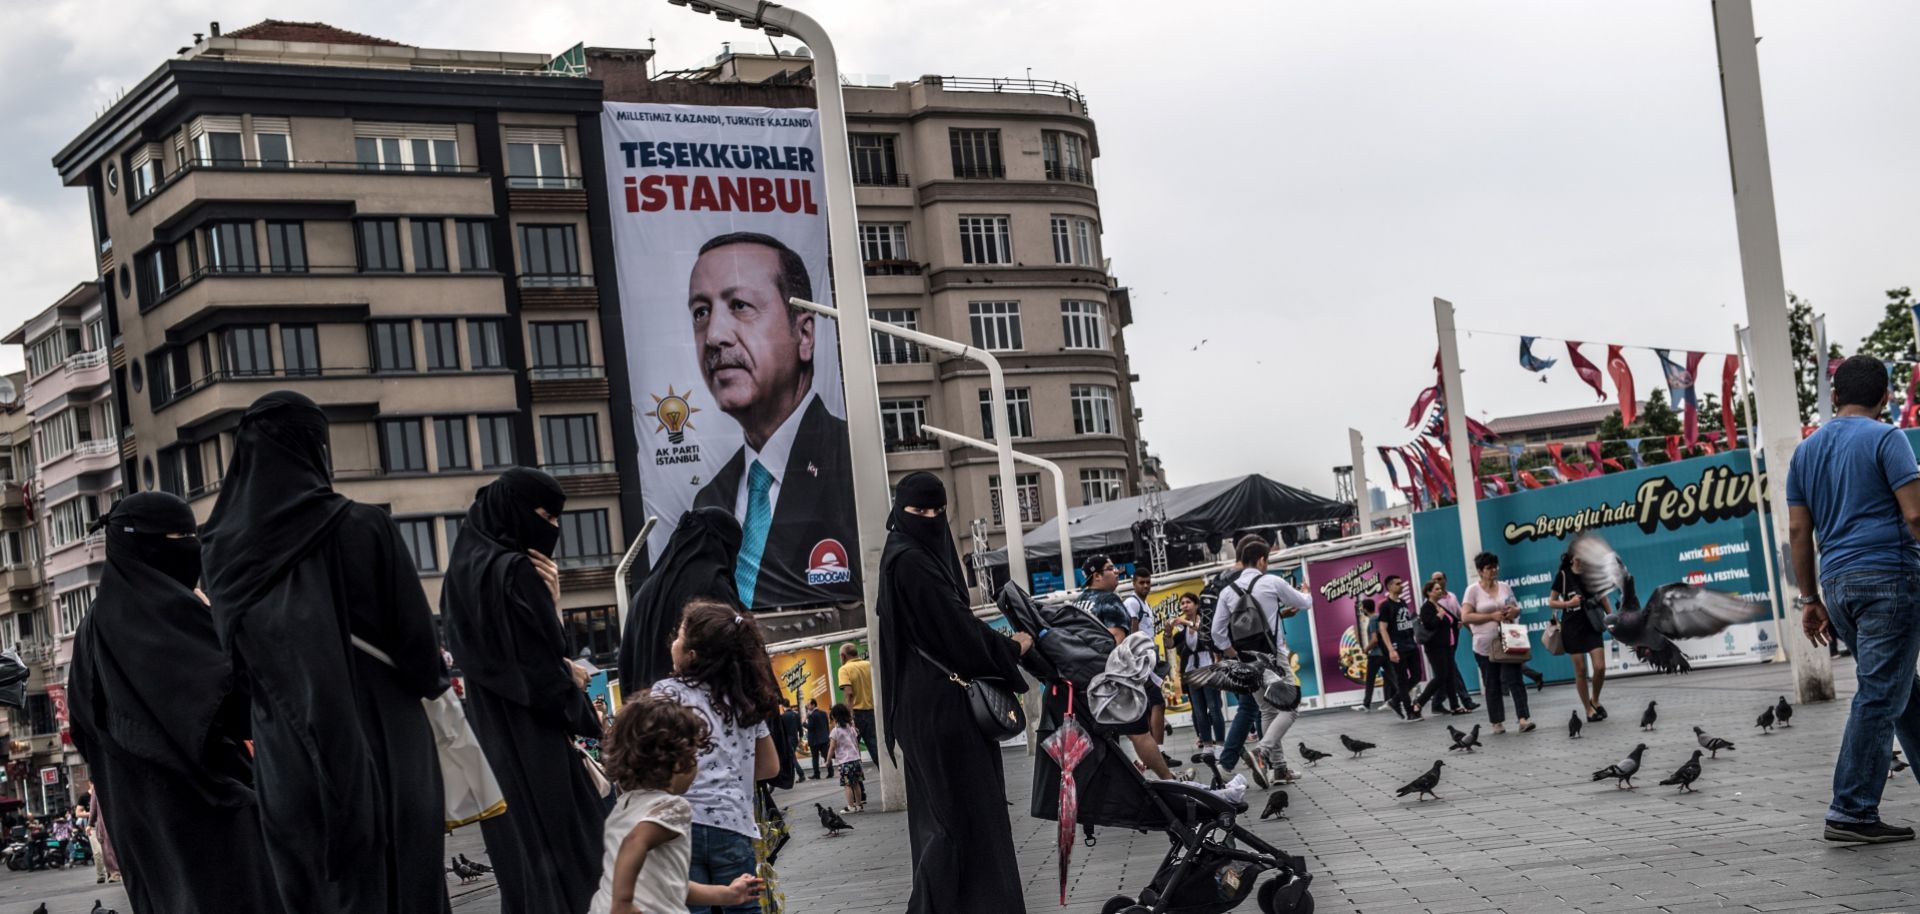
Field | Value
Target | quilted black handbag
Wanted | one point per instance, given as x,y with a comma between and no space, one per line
995,708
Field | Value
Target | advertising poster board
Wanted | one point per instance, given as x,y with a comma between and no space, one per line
1339,584
803,675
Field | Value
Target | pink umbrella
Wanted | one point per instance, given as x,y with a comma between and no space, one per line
1067,746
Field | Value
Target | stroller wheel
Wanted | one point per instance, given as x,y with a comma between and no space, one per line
1117,904
1285,897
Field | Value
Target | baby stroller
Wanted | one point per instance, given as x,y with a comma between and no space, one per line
1213,863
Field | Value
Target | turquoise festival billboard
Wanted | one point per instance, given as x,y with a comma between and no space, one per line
1694,520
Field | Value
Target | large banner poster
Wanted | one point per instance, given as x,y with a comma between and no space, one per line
718,218
1693,521
1339,584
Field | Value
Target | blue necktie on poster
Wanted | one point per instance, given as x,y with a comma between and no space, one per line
753,541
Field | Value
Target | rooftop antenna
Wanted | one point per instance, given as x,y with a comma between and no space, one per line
650,53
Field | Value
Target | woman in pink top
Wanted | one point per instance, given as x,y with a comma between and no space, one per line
1487,603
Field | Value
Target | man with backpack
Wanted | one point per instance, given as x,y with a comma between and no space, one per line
1101,600
1247,621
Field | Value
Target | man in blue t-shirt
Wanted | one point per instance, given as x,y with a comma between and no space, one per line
1854,489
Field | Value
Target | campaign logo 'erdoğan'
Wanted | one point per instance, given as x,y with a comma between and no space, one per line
828,564
674,414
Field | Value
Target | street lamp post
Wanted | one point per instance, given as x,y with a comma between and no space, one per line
1059,491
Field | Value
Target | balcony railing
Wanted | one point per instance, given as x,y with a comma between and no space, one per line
882,178
293,165
1057,172
556,280
997,84
979,172
898,445
97,448
82,361
540,182
600,468
892,268
572,562
567,373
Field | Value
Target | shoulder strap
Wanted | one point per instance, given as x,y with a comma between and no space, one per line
373,652
936,664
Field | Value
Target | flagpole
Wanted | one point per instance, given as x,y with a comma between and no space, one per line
1362,505
1753,491
1464,496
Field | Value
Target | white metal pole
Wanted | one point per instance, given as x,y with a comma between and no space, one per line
1059,490
1362,505
1759,501
1457,441
1753,215
1822,382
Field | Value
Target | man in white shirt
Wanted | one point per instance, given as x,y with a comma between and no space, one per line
1275,599
1143,621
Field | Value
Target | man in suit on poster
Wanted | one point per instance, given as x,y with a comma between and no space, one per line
791,484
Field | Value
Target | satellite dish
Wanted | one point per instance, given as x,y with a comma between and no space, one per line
9,395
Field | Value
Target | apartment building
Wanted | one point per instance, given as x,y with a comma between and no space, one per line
403,234
980,221
31,735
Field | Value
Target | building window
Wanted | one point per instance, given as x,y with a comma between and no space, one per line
379,245
300,350
406,147
995,324
976,153
443,347
69,520
985,240
1098,486
476,250
496,441
1065,156
450,528
1019,412
392,345
429,246
1073,240
560,351
573,444
892,350
583,540
275,149
1083,243
537,164
220,149
900,422
74,605
873,158
1083,324
145,169
246,352
417,533
1026,491
485,348
548,252
287,247
450,443
402,449
56,437
159,273
97,334
1092,409
883,248
595,629
230,248
45,354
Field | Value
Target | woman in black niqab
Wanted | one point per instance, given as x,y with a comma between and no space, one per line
344,761
505,635
161,721
698,562
962,840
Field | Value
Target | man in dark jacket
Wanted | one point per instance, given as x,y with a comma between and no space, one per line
790,735
818,729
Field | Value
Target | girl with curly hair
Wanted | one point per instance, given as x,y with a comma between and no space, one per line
653,754
721,671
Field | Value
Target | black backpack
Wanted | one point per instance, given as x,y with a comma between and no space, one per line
1209,600
1252,635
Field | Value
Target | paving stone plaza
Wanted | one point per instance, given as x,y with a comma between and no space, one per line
1521,828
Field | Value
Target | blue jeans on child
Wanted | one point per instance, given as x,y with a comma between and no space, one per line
719,857
1877,613
1209,718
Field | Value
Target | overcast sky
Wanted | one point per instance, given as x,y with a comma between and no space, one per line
1291,182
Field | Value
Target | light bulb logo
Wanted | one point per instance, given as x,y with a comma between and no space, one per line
674,414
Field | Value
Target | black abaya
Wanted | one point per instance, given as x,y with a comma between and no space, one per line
344,761
505,635
161,721
698,562
962,839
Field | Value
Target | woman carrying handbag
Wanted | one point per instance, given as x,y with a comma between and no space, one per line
1581,628
1487,605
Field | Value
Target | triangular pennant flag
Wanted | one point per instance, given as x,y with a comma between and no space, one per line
1673,448
1679,380
1563,470
1527,479
1728,372
1690,418
1532,362
1439,479
1623,382
1706,447
1421,403
1613,465
1388,463
1593,450
1559,473
1499,485
1479,433
1633,447
1586,369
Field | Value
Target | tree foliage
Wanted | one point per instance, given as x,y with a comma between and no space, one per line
1893,337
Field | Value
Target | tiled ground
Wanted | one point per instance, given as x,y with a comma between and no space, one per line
1521,828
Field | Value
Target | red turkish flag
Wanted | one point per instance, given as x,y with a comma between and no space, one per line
1729,371
1526,479
1622,381
1587,370
1673,448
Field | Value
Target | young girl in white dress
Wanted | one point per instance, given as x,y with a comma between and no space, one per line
652,754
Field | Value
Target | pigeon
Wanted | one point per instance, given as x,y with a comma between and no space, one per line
1353,745
1574,725
1424,784
1465,740
1898,765
831,821
465,872
99,908
42,909
1712,744
1687,774
1312,755
477,867
1623,770
1783,712
1276,806
1765,723
1671,612
1647,719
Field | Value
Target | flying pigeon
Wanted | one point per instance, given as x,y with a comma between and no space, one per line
1623,771
1687,774
1312,755
1765,723
477,867
1712,744
1353,745
1783,712
1574,725
831,821
1465,740
1647,719
1424,784
1673,611
1276,806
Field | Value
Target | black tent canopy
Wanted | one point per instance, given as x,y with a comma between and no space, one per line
1205,513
